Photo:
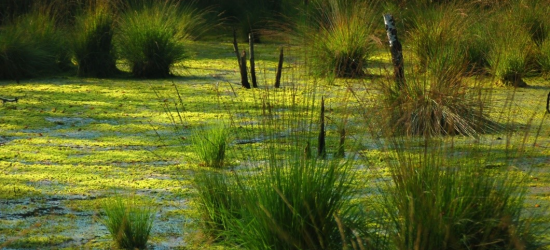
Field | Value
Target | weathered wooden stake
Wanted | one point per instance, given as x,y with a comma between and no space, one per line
279,70
321,149
396,51
236,49
244,74
252,66
548,103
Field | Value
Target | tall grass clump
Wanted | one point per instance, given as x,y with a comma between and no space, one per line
448,34
445,199
298,203
150,37
438,98
280,197
430,104
513,52
129,221
219,203
93,44
210,145
33,45
532,15
341,38
544,58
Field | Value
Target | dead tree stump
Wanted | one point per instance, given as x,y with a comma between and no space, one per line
279,69
252,64
396,51
244,74
321,148
236,49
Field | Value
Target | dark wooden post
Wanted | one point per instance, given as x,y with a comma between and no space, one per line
321,149
548,103
236,49
396,51
252,66
279,70
244,74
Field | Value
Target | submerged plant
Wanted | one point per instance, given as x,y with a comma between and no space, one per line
129,222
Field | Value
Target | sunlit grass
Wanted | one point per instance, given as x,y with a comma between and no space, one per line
129,221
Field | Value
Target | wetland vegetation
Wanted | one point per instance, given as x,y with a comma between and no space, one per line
124,125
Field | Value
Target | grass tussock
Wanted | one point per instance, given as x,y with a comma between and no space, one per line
151,35
93,43
219,203
296,205
210,145
341,38
449,36
428,105
438,98
544,59
510,56
33,45
129,222
282,197
440,201
514,46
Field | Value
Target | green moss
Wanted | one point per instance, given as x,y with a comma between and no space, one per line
39,241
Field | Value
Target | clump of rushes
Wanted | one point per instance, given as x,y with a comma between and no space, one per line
32,45
93,41
512,53
341,40
544,58
447,36
210,145
218,202
532,15
435,104
439,200
301,203
129,221
150,38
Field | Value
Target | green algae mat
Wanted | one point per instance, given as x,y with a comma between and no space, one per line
69,144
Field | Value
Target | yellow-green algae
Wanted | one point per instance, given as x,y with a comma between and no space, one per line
75,142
